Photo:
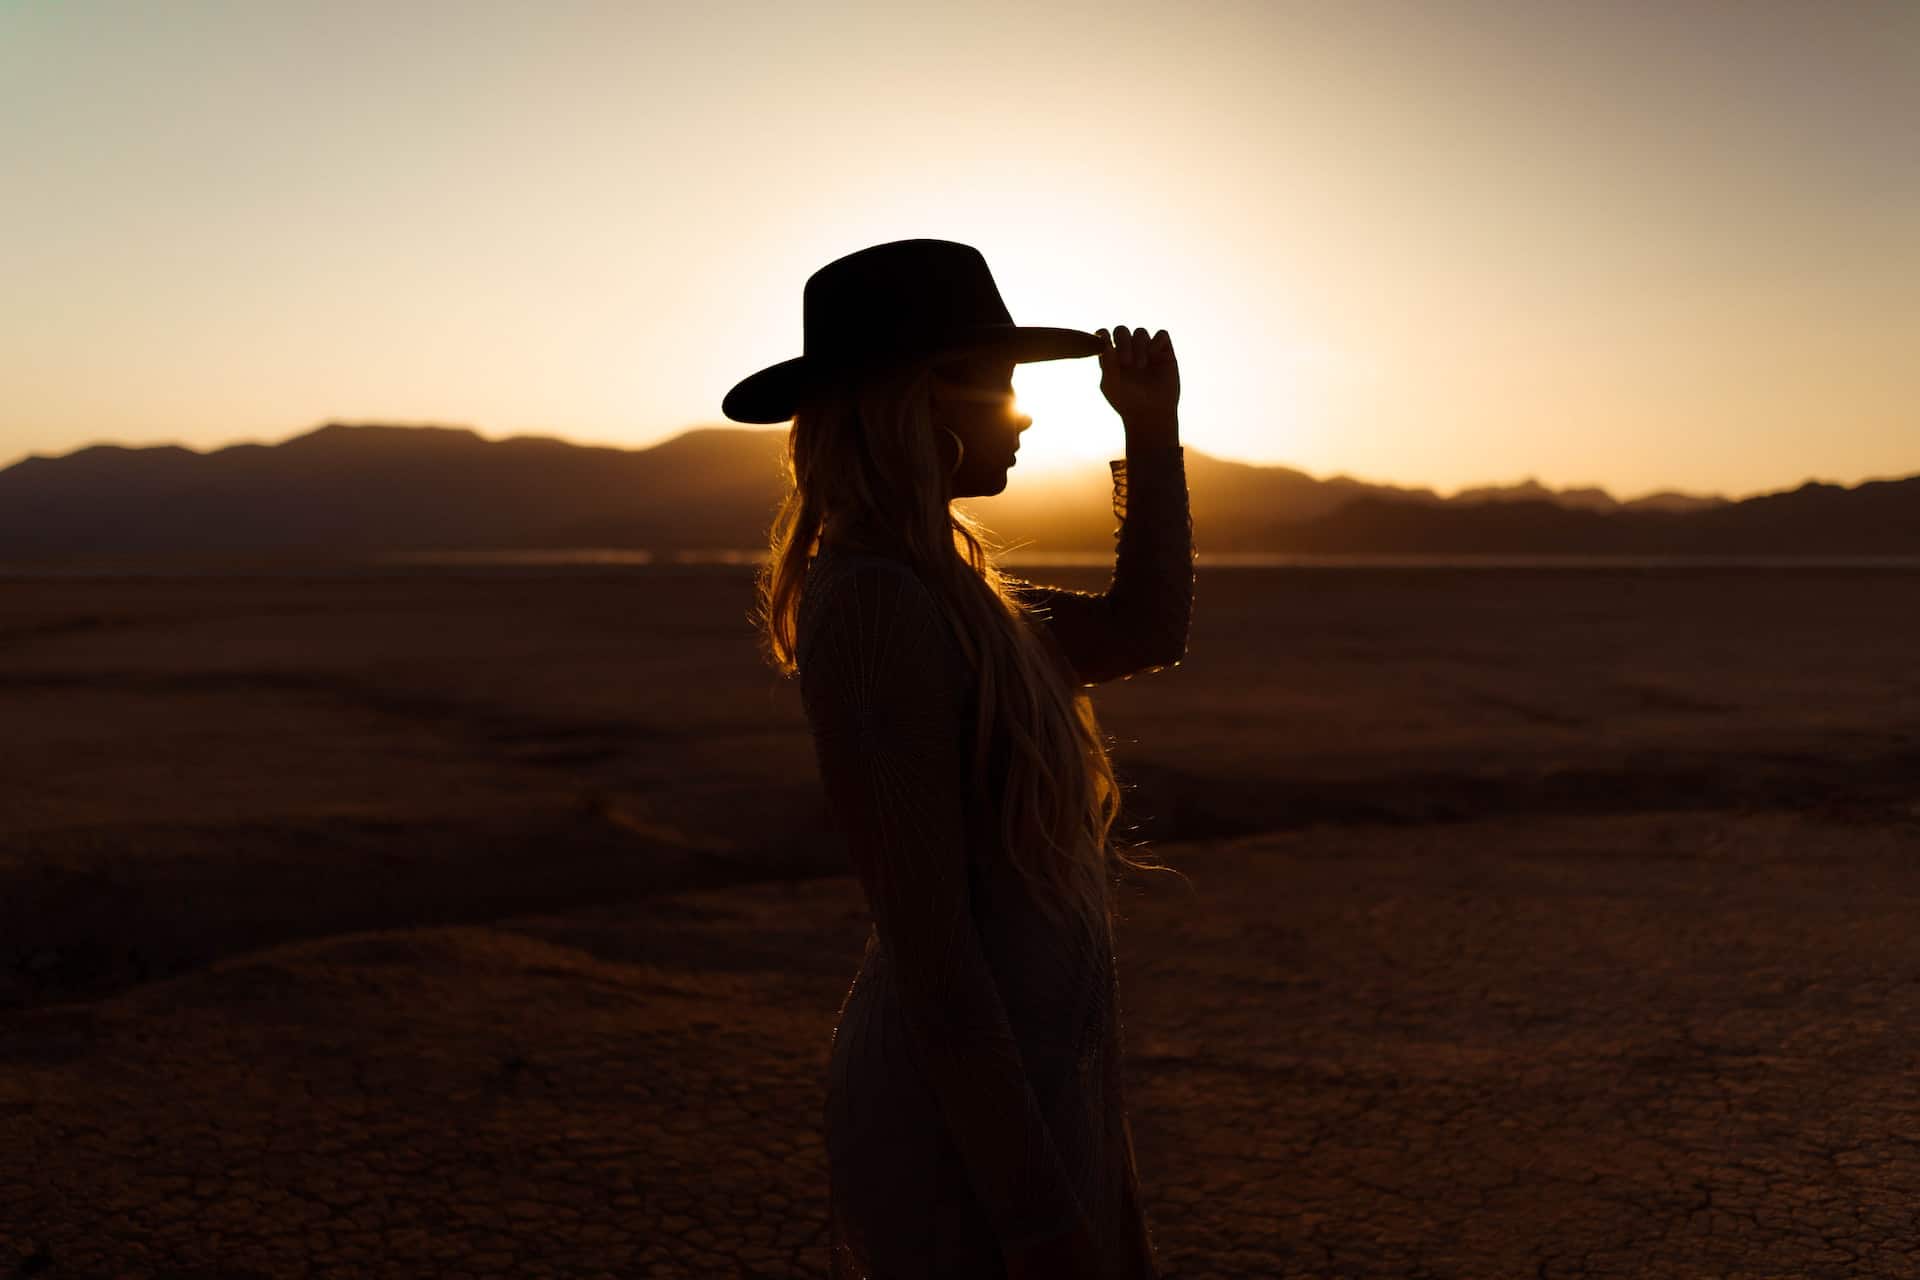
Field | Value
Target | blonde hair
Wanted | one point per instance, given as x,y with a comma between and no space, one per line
864,451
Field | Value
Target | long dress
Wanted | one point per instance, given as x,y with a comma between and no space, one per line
974,1101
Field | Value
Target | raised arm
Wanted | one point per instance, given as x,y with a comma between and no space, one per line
885,689
1140,622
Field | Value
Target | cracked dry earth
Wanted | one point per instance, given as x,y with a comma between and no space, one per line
1624,1045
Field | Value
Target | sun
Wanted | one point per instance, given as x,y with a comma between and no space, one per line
1072,422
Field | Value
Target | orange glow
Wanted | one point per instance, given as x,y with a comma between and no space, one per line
1443,245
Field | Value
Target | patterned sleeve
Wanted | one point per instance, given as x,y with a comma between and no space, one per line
1140,622
886,692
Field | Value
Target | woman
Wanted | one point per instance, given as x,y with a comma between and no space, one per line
975,1119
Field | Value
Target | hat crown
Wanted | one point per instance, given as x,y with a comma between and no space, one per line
895,298
900,303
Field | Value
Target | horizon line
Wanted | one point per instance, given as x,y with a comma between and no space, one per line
674,434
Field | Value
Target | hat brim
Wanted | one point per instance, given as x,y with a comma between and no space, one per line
775,393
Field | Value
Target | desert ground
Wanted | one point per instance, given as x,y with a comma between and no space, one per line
1534,923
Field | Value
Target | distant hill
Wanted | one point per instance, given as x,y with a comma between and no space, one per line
354,490
1531,490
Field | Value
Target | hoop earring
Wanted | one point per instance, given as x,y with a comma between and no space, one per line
961,445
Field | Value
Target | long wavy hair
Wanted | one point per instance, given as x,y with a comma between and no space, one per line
864,452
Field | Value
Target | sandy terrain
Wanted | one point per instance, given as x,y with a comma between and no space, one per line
1539,924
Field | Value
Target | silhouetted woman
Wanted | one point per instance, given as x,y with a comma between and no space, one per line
975,1120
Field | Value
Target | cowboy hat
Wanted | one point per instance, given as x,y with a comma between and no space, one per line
896,303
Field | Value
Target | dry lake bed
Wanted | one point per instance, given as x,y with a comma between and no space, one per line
1535,923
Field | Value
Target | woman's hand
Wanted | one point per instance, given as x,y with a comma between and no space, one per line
1140,378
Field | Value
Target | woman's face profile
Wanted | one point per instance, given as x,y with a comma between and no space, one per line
974,400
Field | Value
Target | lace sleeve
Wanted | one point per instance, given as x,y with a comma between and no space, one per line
886,690
1140,622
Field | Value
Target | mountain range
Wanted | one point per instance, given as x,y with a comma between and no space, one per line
353,490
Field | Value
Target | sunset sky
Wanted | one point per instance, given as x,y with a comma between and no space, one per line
1440,242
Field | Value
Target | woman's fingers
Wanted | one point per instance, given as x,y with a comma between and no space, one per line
1139,350
1133,348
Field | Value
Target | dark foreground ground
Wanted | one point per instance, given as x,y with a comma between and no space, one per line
1536,924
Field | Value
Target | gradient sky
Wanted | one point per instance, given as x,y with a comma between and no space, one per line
1670,243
